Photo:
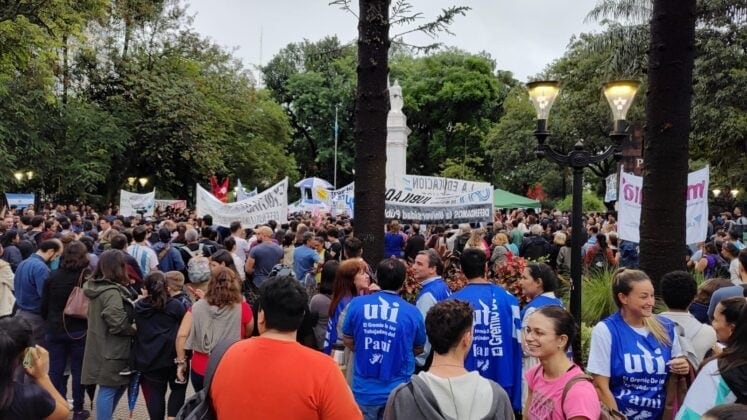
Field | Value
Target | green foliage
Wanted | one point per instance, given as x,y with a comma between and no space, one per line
93,94
589,200
462,168
510,146
451,98
312,81
585,342
597,300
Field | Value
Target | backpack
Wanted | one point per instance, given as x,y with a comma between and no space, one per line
199,406
198,267
599,260
605,413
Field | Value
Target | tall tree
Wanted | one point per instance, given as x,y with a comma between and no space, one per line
670,70
371,107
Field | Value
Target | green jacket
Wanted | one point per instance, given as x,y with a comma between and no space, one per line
110,333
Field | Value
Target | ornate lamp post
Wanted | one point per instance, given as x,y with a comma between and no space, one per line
620,96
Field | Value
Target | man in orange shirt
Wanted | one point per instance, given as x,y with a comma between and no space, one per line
274,377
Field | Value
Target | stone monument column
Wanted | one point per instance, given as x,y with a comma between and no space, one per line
396,139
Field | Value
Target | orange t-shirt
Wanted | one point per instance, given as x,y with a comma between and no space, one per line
265,378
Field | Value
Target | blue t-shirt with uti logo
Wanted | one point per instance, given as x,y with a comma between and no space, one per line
385,329
496,350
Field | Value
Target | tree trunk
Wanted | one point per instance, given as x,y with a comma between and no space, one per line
671,56
372,104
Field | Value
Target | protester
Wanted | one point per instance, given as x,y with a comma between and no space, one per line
384,357
169,257
320,303
272,376
447,390
9,242
500,252
146,258
110,332
222,314
157,318
33,399
427,270
263,256
305,257
699,307
496,352
351,279
621,342
29,282
548,333
599,257
538,283
66,336
678,288
726,292
7,297
722,380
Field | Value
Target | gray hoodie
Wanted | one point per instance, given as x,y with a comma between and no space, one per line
416,400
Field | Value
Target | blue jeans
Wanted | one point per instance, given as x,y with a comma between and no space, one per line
61,348
372,412
106,400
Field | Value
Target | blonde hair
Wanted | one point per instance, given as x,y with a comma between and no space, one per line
622,282
500,239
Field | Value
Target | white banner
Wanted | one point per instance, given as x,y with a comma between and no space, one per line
131,204
242,193
270,204
696,218
433,199
343,200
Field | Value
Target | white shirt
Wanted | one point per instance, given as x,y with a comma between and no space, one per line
146,258
701,336
734,272
242,249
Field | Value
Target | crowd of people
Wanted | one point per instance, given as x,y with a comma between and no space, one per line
287,320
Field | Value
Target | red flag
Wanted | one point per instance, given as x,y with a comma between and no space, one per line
219,191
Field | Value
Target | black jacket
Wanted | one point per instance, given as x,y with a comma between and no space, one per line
156,334
56,292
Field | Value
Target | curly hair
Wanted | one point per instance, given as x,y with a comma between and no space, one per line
223,288
446,322
678,288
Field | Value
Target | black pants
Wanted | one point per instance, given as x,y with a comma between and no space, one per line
154,385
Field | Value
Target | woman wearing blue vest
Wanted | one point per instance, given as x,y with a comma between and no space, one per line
632,350
538,283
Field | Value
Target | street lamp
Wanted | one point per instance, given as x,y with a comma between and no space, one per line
716,192
19,176
143,181
620,96
734,192
131,180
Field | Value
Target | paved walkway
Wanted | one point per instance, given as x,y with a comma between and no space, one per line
122,411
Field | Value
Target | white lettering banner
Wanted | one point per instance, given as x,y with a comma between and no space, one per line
430,199
131,204
630,199
174,204
271,204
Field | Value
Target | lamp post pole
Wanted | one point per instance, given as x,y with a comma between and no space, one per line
620,96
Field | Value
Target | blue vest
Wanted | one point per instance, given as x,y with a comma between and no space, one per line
437,288
638,368
538,302
496,351
385,329
330,337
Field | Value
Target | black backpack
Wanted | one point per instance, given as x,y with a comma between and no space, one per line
199,406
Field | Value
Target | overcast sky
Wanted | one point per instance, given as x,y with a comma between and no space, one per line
523,36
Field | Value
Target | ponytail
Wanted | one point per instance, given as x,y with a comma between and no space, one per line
155,284
15,336
657,329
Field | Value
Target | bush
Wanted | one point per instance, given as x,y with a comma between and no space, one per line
585,342
596,297
589,200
